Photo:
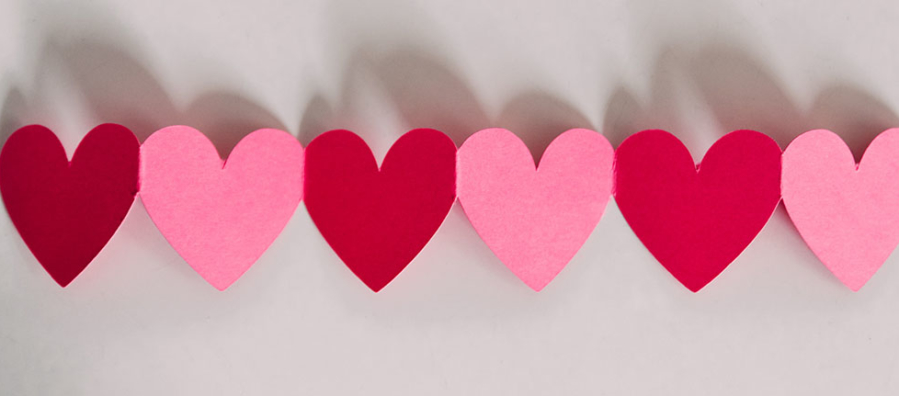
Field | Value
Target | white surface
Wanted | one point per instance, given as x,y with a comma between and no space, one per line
139,321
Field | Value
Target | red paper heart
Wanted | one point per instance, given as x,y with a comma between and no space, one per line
696,220
67,211
378,220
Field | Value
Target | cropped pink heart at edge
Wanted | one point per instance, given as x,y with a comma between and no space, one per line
848,214
534,218
220,216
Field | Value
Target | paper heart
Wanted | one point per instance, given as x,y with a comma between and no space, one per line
67,211
848,214
220,216
378,220
697,219
534,218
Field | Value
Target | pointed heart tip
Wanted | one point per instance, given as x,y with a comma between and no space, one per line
695,287
855,285
64,280
536,285
221,284
854,281
374,285
63,283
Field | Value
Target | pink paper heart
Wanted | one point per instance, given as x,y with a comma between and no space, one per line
534,219
848,214
220,216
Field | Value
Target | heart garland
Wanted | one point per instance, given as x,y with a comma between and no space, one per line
221,215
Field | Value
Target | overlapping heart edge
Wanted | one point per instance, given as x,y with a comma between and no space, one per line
9,152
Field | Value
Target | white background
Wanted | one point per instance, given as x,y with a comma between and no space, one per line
140,321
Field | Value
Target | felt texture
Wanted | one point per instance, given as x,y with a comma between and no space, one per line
847,213
377,220
66,211
696,219
534,218
220,216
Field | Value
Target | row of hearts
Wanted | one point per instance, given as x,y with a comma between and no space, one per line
220,216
